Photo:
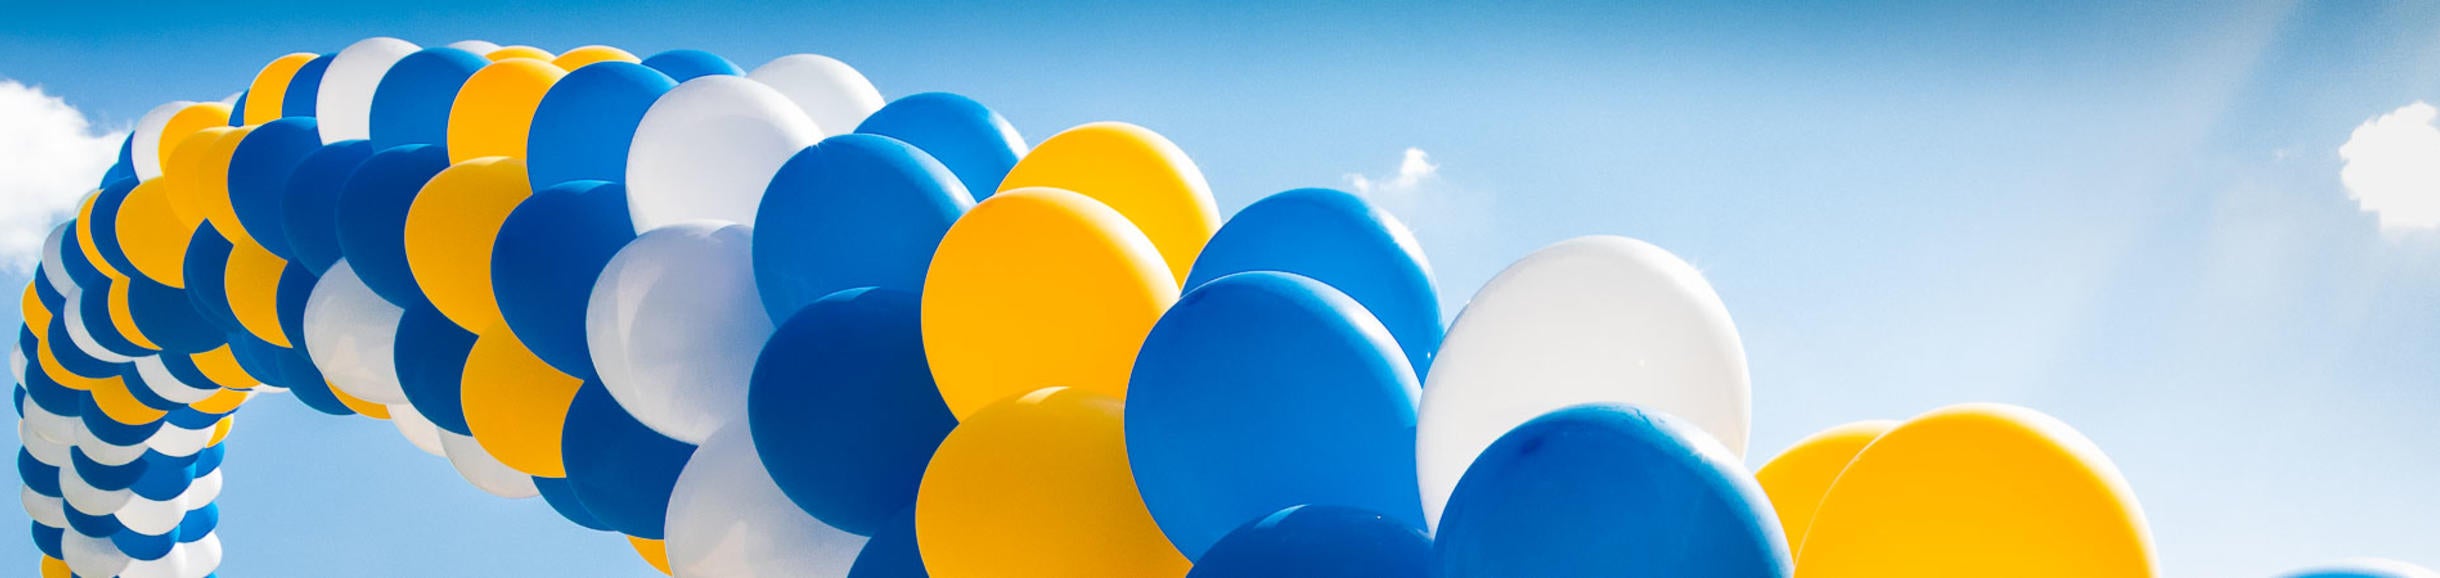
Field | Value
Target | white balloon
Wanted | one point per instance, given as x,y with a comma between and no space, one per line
479,47
202,556
53,266
1591,319
343,105
352,334
91,556
16,363
417,429
727,519
50,511
155,517
708,148
830,92
89,500
55,430
675,324
203,490
104,452
145,150
161,382
80,334
175,441
482,470
50,452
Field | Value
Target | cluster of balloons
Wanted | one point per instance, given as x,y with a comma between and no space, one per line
766,323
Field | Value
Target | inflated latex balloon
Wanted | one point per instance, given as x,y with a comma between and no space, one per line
1322,542
259,172
1797,478
165,318
415,100
450,231
707,150
201,173
1608,490
92,556
621,470
507,53
2366,568
1039,286
483,471
1037,485
208,255
516,404
854,211
583,56
562,497
1135,171
892,552
1266,390
545,259
978,145
180,129
344,100
372,218
252,282
97,229
1338,239
311,211
687,64
431,356
53,264
583,126
727,519
269,93
352,333
674,325
846,410
1589,320
303,90
832,93
152,235
494,109
1980,490
419,431
144,146
654,552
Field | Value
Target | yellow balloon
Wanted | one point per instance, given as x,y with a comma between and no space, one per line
253,285
151,233
450,230
1135,171
224,401
496,106
37,317
1038,485
220,431
120,405
515,403
124,318
578,58
1039,287
84,239
195,117
509,52
1797,478
654,552
220,365
55,568
59,373
1979,490
211,188
368,409
270,89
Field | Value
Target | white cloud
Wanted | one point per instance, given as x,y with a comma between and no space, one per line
1414,171
2393,168
50,156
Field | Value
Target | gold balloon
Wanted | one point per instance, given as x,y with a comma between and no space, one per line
1039,486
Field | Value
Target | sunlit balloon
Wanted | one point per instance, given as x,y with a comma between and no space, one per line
1135,171
674,326
1037,485
1797,478
708,148
727,519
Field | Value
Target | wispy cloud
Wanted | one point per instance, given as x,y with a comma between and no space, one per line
2393,168
1414,171
50,156
1437,210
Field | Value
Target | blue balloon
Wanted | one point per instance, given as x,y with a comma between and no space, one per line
373,219
307,384
584,124
191,418
1265,390
72,258
104,224
207,262
854,211
258,358
101,476
543,263
50,395
411,106
843,408
124,167
305,87
1321,542
430,354
258,178
1608,490
313,202
50,297
73,359
288,303
975,143
47,540
685,65
166,477
92,526
2369,568
208,460
561,495
892,553
1339,239
198,523
237,117
169,319
40,477
111,431
623,471
141,546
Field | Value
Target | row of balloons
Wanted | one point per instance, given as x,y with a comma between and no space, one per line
766,323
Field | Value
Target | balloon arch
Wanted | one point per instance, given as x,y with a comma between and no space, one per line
766,323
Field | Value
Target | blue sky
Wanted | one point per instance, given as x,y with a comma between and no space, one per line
2130,217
